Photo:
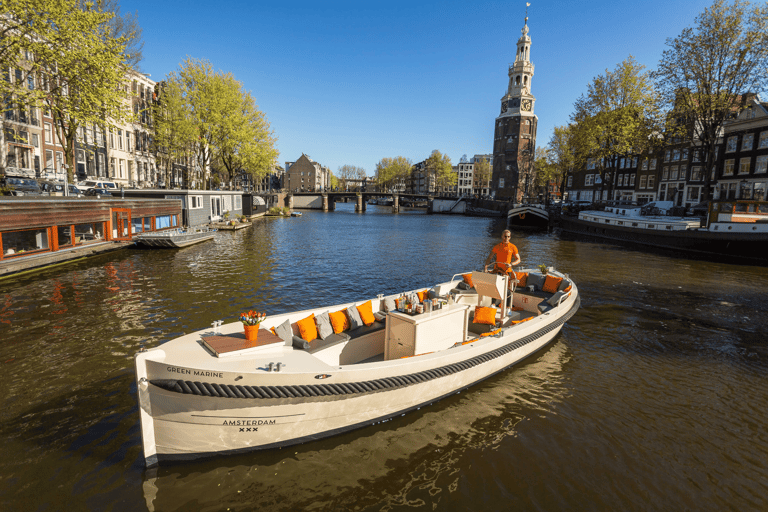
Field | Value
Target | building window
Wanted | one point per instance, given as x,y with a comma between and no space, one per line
645,164
48,136
676,155
590,163
632,180
120,139
121,163
732,144
195,202
651,181
761,164
665,174
744,165
589,180
673,173
570,182
763,141
23,242
48,159
696,155
653,164
695,173
747,142
684,154
728,169
643,179
667,154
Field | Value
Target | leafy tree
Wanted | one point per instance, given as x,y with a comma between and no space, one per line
618,116
391,173
483,172
705,70
561,152
174,130
227,124
82,71
439,171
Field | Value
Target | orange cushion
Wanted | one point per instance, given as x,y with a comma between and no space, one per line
273,331
522,278
339,321
568,289
468,279
366,313
422,295
485,315
308,328
551,284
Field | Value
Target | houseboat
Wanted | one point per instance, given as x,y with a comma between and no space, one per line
730,228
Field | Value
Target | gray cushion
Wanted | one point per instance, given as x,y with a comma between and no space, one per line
379,316
300,343
536,280
462,286
366,329
333,339
563,285
285,332
433,294
389,304
519,315
552,301
324,327
354,317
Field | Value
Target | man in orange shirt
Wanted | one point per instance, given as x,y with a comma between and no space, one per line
506,255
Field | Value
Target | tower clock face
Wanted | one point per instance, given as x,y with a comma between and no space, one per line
503,106
526,105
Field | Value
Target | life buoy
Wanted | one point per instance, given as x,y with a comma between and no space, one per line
522,216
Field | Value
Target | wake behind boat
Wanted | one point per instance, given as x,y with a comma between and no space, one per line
333,369
176,238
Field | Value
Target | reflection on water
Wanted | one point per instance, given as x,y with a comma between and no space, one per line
652,397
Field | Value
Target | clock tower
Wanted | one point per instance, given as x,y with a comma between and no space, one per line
514,140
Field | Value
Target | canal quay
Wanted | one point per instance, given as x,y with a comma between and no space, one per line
653,396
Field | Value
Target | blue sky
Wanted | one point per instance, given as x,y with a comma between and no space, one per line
354,82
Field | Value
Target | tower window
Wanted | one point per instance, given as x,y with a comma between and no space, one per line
525,80
517,80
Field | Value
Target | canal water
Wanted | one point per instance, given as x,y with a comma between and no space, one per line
653,397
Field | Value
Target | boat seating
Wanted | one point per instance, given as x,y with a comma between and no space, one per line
350,346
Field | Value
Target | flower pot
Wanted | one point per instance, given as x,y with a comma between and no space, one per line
251,332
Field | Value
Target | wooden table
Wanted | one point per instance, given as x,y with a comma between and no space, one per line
226,344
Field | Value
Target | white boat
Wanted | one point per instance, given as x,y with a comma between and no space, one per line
737,228
209,393
176,238
528,216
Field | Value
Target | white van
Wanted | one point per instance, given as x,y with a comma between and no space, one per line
89,184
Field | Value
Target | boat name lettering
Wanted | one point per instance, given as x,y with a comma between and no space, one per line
248,423
198,373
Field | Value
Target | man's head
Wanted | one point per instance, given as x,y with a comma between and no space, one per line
506,236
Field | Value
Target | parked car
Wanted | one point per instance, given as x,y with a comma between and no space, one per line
98,192
21,186
74,191
88,184
700,209
52,188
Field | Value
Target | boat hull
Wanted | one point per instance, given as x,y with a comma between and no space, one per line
744,245
174,241
298,408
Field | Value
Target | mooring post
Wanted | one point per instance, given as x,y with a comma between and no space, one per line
325,202
395,203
